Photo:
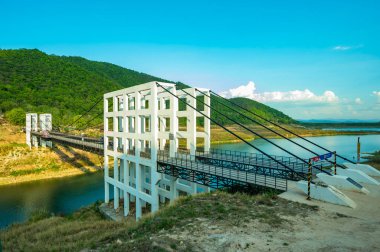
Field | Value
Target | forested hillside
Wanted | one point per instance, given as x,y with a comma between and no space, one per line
32,81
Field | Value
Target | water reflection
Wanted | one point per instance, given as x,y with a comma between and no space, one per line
60,196
65,195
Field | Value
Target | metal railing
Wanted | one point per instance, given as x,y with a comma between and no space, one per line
185,163
258,159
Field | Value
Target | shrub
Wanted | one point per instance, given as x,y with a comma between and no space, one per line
16,116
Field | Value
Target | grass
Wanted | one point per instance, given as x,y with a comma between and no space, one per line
220,136
19,163
27,172
87,229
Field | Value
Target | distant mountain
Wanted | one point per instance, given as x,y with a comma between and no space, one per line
339,121
31,80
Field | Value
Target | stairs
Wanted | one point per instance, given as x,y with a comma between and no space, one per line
355,178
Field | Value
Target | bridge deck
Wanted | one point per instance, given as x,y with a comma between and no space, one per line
76,141
215,168
255,159
191,169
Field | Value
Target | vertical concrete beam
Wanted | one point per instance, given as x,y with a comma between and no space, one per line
155,176
173,122
207,124
28,129
138,189
173,189
116,189
126,203
191,121
138,208
106,192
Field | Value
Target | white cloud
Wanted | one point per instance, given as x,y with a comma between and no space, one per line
358,101
342,48
377,93
249,91
345,48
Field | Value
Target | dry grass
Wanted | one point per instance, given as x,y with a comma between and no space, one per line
87,229
219,135
19,163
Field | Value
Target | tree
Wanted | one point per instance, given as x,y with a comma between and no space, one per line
16,116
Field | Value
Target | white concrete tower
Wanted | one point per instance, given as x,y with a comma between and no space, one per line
31,126
45,122
139,122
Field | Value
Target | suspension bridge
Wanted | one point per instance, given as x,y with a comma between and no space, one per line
155,158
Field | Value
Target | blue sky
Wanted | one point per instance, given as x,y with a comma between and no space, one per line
310,59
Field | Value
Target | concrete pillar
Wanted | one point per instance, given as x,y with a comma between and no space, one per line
106,192
173,189
116,197
173,123
28,129
191,121
35,141
207,124
116,177
138,208
126,203
138,189
155,176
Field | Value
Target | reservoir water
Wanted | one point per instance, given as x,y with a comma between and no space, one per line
65,195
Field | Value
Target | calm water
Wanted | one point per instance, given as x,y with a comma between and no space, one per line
354,129
60,196
63,196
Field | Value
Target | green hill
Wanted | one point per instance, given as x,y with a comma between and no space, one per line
31,80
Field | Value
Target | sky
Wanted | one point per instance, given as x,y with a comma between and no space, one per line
309,59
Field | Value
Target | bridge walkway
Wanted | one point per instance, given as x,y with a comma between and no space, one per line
85,143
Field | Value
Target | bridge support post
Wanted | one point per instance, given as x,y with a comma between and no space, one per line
106,175
309,180
191,122
126,203
154,175
173,189
138,208
116,191
106,192
31,126
207,124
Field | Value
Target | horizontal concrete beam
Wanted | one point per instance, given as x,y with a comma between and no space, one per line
342,182
328,194
367,169
357,175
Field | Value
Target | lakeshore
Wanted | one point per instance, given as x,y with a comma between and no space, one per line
21,164
216,221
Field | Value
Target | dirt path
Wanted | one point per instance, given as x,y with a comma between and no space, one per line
320,231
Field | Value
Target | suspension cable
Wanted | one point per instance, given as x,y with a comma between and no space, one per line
257,134
88,122
232,133
93,106
281,127
262,125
